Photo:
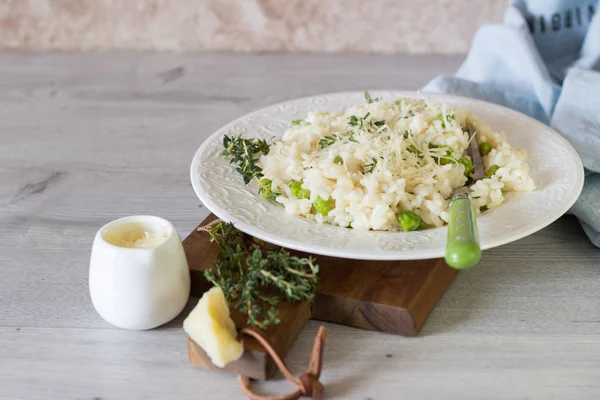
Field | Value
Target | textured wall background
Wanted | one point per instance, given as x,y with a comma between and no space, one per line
414,26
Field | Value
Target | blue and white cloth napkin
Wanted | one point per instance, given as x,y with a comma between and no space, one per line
544,61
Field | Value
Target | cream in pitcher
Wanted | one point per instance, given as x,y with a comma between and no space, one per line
139,276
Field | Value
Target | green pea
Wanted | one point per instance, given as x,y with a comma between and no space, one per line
303,194
323,206
338,160
485,148
297,190
446,158
468,164
296,186
409,221
491,171
414,150
265,189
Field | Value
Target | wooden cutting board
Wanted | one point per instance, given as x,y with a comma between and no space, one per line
387,296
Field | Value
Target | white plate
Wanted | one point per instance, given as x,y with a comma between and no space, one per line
555,167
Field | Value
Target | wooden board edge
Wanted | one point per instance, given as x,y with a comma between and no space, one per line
364,315
431,292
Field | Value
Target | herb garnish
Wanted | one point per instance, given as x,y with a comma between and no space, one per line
354,120
326,141
351,136
296,122
246,272
369,99
369,168
244,153
411,113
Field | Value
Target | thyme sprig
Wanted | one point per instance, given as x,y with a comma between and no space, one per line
245,153
255,279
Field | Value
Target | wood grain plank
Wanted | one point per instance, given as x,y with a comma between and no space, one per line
116,365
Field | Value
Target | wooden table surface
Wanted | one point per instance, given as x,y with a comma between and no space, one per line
86,138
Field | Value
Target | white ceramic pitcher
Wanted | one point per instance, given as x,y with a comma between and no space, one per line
139,277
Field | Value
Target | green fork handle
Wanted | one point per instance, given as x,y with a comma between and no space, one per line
462,247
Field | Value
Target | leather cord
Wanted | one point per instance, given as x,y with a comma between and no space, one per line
307,385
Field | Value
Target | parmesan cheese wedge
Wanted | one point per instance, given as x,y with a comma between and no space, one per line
211,327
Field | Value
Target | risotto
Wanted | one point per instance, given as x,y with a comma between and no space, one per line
361,168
